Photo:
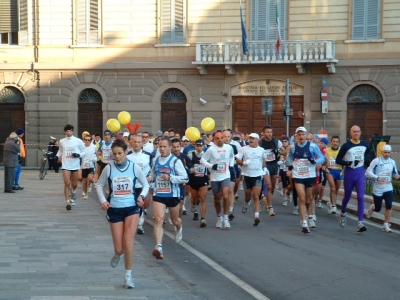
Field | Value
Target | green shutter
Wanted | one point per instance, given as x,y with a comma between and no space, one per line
365,19
173,21
263,19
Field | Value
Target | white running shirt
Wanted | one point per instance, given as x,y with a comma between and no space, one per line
223,157
68,146
255,158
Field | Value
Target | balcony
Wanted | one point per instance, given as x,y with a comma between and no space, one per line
290,52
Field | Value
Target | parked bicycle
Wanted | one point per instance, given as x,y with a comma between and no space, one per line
44,166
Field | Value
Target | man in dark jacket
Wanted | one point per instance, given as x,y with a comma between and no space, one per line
10,160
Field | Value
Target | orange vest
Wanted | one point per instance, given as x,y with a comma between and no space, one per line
21,147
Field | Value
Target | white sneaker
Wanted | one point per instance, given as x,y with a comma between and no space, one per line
342,220
220,220
296,210
333,210
311,223
178,236
115,260
85,196
281,192
284,203
227,224
370,211
129,283
319,205
68,205
386,228
72,202
83,193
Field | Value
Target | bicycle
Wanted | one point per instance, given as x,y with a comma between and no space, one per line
43,167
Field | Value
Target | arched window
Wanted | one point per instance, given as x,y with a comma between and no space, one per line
173,110
90,114
12,113
364,108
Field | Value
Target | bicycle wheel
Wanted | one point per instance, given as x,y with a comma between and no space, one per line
43,171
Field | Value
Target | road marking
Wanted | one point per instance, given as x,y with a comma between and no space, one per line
236,280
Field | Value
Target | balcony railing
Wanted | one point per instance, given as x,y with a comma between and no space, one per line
290,52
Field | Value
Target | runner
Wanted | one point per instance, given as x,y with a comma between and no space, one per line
104,155
198,181
382,169
252,158
352,155
88,164
143,160
147,144
283,170
273,148
219,159
168,172
71,150
123,205
304,157
333,174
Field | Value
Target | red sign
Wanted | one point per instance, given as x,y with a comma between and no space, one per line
324,94
323,133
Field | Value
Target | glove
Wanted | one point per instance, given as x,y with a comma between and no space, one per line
356,163
311,160
246,162
76,155
214,167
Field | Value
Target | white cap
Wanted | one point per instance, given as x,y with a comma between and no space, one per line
254,135
387,148
126,134
184,138
301,128
52,137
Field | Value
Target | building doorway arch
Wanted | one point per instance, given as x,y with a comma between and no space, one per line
12,114
364,108
173,110
90,115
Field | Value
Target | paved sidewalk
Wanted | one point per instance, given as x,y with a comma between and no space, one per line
48,253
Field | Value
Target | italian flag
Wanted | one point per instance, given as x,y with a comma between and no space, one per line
278,29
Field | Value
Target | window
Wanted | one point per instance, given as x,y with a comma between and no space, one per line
15,22
366,19
264,19
173,21
88,21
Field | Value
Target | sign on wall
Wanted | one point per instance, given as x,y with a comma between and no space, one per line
266,88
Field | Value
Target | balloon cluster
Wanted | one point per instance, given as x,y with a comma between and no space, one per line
193,134
124,118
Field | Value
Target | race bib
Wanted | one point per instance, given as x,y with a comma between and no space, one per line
302,167
122,186
269,156
107,158
359,155
387,177
87,163
163,186
69,152
199,170
333,164
221,167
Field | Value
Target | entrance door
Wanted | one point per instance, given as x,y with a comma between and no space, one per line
247,115
173,110
368,116
90,114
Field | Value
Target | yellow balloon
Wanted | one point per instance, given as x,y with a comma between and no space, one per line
113,125
124,117
192,133
208,124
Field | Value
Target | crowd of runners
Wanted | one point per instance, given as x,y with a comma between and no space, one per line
130,171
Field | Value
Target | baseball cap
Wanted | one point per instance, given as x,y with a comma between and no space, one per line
254,135
126,134
159,132
285,138
301,128
387,148
52,137
325,141
200,142
184,138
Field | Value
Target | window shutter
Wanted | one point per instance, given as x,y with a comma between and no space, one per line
166,26
272,26
23,36
8,16
282,18
94,37
358,19
373,13
178,36
81,10
263,20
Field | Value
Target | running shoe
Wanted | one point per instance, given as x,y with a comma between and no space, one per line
193,208
140,230
296,210
184,212
386,228
68,207
231,216
281,192
85,196
129,284
73,196
311,222
158,252
342,220
115,260
361,227
227,225
236,196
72,202
333,210
195,216
178,235
370,211
284,203
271,211
305,229
256,221
203,223
220,220
83,193
245,206
319,205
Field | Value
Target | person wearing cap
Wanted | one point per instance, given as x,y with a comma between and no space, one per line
143,159
303,160
147,144
10,160
71,150
352,155
20,133
334,173
252,160
273,148
218,159
51,154
198,181
382,169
